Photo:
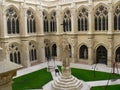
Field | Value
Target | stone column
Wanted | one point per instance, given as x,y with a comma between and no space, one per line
41,50
90,32
110,51
59,20
41,22
90,50
25,53
38,21
74,18
3,22
74,48
5,50
110,32
58,52
110,18
23,20
43,53
90,19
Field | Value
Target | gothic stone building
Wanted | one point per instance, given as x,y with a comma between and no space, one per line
33,30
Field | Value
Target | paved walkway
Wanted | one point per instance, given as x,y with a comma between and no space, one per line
99,67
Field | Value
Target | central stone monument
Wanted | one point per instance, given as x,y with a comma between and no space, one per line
66,81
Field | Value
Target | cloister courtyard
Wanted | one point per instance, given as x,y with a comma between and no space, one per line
97,76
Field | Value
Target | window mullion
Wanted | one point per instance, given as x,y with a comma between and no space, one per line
80,24
15,27
102,23
97,23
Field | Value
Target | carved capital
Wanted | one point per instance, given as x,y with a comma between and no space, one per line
3,9
110,7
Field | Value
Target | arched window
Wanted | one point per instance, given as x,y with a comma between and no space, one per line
67,21
83,20
14,54
101,18
45,22
54,50
32,52
12,21
31,28
117,55
53,27
117,18
83,52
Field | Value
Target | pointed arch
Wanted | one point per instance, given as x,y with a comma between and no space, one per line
12,20
117,54
53,23
83,52
100,17
45,21
15,53
31,25
67,20
82,19
101,54
54,50
117,17
32,51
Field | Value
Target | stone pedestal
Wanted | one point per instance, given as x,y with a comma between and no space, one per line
7,71
69,83
62,83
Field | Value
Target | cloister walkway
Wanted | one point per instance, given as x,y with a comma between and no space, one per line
100,67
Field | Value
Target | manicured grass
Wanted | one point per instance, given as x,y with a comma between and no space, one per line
88,75
34,80
110,87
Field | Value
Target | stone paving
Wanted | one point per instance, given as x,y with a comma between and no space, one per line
99,67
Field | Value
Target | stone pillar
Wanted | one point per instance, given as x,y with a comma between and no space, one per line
90,19
5,50
74,18
3,22
41,22
41,50
58,52
23,20
110,32
25,53
110,18
90,32
43,58
38,21
110,51
91,53
59,20
74,48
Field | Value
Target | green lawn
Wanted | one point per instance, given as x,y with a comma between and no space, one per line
34,80
110,87
88,75
37,79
